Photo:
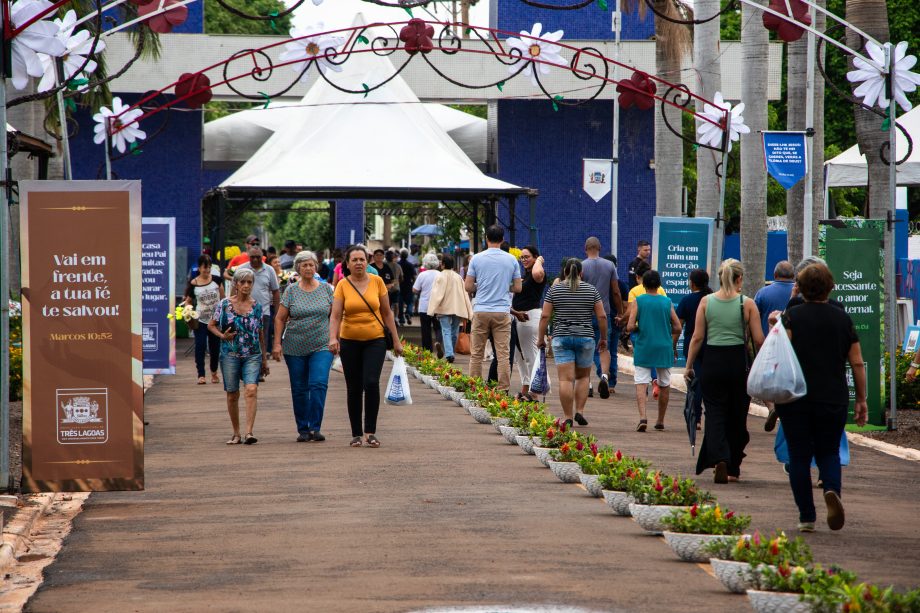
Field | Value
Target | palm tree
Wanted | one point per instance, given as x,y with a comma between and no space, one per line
707,64
755,47
871,16
672,44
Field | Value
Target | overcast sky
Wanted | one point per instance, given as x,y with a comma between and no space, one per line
341,13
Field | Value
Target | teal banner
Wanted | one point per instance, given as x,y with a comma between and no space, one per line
679,245
854,250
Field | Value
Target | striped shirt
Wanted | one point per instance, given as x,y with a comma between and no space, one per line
573,311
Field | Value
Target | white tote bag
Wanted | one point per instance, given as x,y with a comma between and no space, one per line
398,385
776,374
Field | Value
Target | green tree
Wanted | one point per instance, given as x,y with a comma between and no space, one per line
218,20
310,227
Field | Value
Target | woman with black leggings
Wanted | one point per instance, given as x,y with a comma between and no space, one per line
360,310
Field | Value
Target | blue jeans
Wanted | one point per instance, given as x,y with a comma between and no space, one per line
813,430
578,349
450,328
309,380
234,368
613,336
206,342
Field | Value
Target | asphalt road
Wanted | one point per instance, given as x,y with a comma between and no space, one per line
444,513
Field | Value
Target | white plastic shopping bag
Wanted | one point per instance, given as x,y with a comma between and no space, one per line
398,386
776,374
539,375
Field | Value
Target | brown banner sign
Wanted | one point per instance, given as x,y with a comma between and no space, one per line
83,409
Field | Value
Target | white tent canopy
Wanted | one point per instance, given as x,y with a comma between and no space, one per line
235,138
384,142
849,168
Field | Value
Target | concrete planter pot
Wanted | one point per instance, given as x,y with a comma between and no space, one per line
510,433
498,422
525,443
692,547
649,516
567,472
433,382
737,577
542,454
445,391
618,502
457,397
592,484
466,403
777,602
481,415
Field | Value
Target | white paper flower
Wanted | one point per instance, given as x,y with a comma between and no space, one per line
127,134
710,134
40,37
311,45
78,47
537,51
872,78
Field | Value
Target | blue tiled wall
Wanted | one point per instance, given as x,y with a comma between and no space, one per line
169,167
590,23
195,22
543,149
349,215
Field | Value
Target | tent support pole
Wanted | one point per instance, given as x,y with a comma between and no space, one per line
332,222
512,221
220,233
474,243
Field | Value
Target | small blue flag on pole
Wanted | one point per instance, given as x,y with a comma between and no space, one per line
785,155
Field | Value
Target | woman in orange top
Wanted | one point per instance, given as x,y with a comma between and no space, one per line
360,310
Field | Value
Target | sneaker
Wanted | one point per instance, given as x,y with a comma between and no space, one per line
439,350
603,388
305,437
581,419
318,436
568,422
835,516
590,391
806,526
771,421
656,389
450,359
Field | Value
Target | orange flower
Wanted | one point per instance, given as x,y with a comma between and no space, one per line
565,448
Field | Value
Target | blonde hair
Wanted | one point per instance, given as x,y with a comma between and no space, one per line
729,272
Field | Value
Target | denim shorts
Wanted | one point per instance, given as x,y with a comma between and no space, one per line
233,368
578,349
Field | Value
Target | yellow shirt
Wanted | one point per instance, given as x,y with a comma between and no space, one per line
358,323
639,290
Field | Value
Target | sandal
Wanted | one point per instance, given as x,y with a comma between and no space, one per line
201,381
356,442
643,424
249,439
372,441
214,378
234,440
659,427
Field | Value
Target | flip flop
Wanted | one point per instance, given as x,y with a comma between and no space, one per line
356,442
201,381
250,439
214,378
234,440
372,441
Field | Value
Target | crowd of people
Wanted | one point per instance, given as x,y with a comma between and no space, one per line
312,312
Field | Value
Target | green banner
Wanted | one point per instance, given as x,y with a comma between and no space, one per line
854,250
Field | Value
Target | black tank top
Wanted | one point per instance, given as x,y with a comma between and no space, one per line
531,294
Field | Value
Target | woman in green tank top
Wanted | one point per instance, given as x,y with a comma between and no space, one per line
723,322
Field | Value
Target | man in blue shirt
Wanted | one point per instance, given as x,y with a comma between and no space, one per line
775,297
491,276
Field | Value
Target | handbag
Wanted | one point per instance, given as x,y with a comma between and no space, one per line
748,359
387,336
192,323
462,346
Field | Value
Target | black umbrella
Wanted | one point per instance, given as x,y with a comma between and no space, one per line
692,414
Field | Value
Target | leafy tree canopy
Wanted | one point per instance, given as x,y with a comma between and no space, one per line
218,20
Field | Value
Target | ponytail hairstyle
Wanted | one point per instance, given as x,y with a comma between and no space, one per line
572,273
729,273
700,279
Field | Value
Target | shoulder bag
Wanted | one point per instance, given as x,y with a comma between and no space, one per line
387,336
748,349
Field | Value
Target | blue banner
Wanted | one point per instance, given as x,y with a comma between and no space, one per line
785,155
158,331
680,244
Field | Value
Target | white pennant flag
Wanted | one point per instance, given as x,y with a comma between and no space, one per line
596,177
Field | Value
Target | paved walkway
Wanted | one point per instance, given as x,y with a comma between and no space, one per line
444,513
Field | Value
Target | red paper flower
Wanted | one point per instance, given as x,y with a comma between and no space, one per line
787,31
636,91
197,87
166,21
417,35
